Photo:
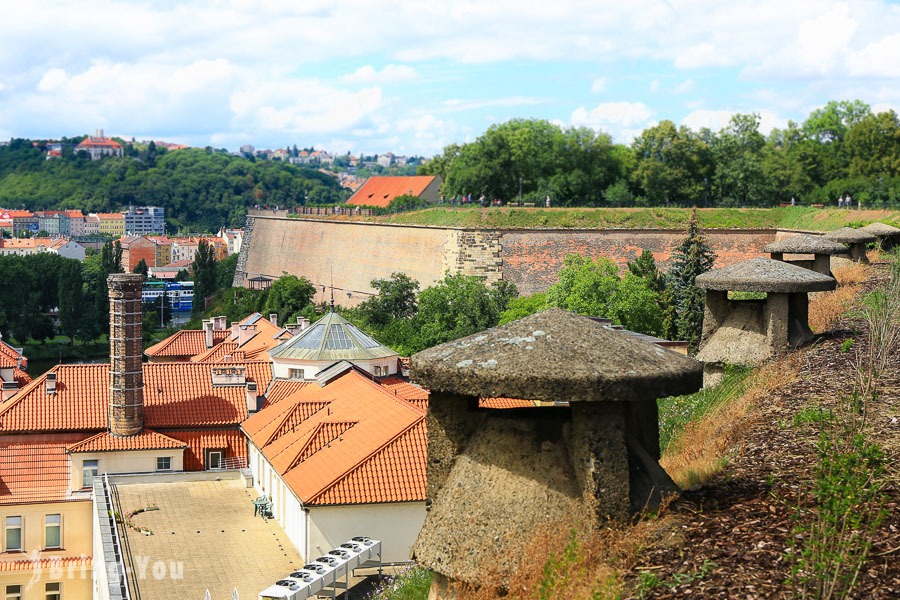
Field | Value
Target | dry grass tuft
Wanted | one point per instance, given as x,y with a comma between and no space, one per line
874,255
566,563
703,445
827,307
851,274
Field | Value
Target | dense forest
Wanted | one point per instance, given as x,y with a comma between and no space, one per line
842,148
200,189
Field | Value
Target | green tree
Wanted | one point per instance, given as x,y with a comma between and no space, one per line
141,268
225,271
288,296
594,288
459,305
396,299
673,164
522,307
737,152
873,146
204,270
690,258
71,307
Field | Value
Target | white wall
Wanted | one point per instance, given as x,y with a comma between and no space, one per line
281,366
286,507
134,461
396,524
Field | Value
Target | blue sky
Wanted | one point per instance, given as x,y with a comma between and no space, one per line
411,76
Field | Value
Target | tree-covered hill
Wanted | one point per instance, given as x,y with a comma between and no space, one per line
200,189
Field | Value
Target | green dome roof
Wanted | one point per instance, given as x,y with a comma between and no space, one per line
330,339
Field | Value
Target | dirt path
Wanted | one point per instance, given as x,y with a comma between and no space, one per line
737,527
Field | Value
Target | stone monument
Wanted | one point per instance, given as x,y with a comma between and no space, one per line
495,476
857,238
886,235
821,249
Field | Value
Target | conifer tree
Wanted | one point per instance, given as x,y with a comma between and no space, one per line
690,258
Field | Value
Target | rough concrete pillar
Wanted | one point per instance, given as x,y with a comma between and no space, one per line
858,252
600,459
451,420
822,264
798,320
775,319
715,313
126,375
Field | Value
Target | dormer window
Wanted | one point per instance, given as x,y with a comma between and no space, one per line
296,374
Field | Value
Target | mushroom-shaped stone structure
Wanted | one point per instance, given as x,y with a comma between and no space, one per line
751,331
494,477
857,238
886,235
821,250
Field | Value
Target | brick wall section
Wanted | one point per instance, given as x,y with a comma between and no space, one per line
532,258
355,253
126,377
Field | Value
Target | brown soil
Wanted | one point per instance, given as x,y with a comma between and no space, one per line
738,526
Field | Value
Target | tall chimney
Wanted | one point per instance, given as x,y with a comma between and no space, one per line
126,376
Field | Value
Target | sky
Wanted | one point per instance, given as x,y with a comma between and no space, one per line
411,76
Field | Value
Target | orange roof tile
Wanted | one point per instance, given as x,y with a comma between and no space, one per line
406,390
35,468
280,389
176,394
10,352
352,441
108,442
231,441
379,191
185,343
57,562
505,403
21,377
217,353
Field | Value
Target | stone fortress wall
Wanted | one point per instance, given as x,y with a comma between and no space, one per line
351,254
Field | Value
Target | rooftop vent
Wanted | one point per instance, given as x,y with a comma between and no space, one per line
252,397
50,383
219,322
273,319
208,330
228,376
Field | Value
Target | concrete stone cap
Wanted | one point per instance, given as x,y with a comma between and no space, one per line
882,229
556,355
848,235
121,278
765,275
805,244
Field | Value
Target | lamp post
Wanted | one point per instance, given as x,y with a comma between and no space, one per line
520,191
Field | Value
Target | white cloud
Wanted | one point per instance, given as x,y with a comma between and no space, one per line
880,59
389,74
654,86
612,113
599,85
702,55
457,105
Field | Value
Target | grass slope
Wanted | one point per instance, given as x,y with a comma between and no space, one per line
638,218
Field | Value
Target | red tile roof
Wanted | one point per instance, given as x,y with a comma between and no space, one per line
406,390
184,343
280,389
57,562
35,468
232,441
379,191
216,354
21,377
177,394
98,142
352,441
107,442
505,403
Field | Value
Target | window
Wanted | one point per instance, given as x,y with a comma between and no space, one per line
53,591
295,373
13,534
14,592
89,470
215,460
378,371
53,531
163,463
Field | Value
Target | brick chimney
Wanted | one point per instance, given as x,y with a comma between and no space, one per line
126,377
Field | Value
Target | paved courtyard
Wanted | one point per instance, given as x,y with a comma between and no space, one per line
209,527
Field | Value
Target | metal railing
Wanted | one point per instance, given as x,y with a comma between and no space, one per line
232,463
127,579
